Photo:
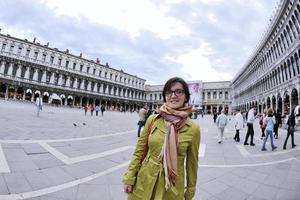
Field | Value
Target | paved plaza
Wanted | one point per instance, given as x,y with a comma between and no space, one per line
65,155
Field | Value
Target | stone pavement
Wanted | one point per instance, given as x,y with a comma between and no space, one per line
65,155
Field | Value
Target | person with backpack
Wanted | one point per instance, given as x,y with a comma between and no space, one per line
269,121
165,162
290,131
221,122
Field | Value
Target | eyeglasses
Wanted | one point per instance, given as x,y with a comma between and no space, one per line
177,93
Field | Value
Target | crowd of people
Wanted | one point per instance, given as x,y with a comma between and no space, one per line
269,123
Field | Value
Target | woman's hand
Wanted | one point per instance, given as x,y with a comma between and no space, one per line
127,189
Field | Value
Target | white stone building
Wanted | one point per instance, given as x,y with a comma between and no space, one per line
271,77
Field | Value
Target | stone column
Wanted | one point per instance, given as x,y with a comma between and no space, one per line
6,92
24,95
80,104
52,78
15,93
89,86
10,69
59,80
44,76
32,97
95,87
35,75
19,70
101,87
82,84
75,84
27,73
2,67
68,81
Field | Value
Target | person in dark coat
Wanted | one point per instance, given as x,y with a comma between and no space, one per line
290,131
278,123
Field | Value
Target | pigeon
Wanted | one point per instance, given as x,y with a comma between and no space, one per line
74,124
83,124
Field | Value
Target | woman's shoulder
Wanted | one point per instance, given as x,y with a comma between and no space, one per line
193,125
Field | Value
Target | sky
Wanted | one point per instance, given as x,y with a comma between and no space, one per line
208,40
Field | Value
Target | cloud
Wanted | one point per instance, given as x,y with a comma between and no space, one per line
155,40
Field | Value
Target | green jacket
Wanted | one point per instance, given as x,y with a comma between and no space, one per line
148,178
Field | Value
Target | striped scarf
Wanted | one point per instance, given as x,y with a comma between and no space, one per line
175,119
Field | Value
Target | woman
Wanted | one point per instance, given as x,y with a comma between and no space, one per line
173,137
290,131
262,125
269,122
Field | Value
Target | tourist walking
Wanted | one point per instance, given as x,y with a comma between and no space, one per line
221,123
262,125
142,118
278,123
165,168
39,105
250,132
92,109
269,121
215,115
238,124
290,130
102,109
86,107
97,109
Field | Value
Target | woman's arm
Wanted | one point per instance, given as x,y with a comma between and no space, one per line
192,164
135,164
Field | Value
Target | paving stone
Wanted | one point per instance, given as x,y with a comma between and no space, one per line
16,183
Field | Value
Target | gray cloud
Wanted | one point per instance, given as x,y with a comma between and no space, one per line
231,38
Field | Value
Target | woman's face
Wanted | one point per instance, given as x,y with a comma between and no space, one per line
175,97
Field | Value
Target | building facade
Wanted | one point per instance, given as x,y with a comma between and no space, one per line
216,97
29,69
271,77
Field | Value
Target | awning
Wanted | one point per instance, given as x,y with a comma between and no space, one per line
46,94
29,91
62,96
37,92
55,96
70,97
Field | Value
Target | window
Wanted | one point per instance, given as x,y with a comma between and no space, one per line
19,50
48,76
51,59
94,71
220,95
3,47
59,61
100,73
226,95
214,95
67,63
81,67
116,76
36,55
44,57
208,95
27,52
11,48
110,76
105,75
74,65
87,69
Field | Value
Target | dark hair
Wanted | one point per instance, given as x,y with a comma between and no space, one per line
171,82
